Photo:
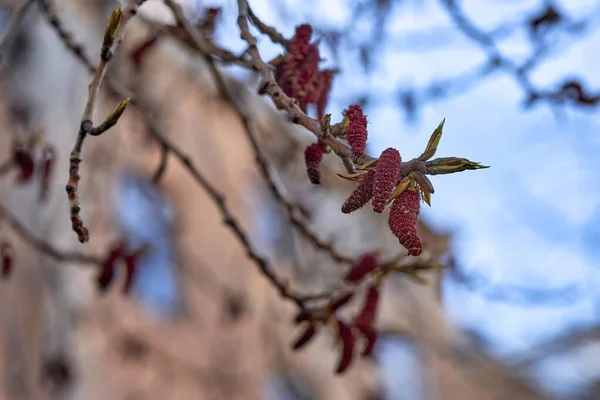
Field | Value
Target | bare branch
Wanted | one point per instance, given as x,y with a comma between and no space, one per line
112,40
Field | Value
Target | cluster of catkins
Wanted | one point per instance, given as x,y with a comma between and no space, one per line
377,185
298,74
361,327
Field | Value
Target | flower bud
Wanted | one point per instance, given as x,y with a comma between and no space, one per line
313,156
356,134
403,218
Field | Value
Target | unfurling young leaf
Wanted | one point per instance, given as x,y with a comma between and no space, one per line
433,143
113,117
111,29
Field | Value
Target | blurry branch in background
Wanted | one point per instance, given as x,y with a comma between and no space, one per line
44,247
524,296
578,337
538,27
14,24
546,27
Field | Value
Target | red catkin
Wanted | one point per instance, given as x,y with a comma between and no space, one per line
7,254
403,218
303,315
370,337
356,134
365,265
386,177
361,195
324,87
313,156
23,157
131,265
366,318
305,338
107,272
348,342
298,72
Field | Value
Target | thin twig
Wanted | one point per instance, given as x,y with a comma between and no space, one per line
111,43
44,246
13,26
271,32
162,166
64,35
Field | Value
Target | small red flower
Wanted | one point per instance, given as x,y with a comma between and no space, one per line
365,265
386,177
361,195
403,218
357,129
7,254
313,156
